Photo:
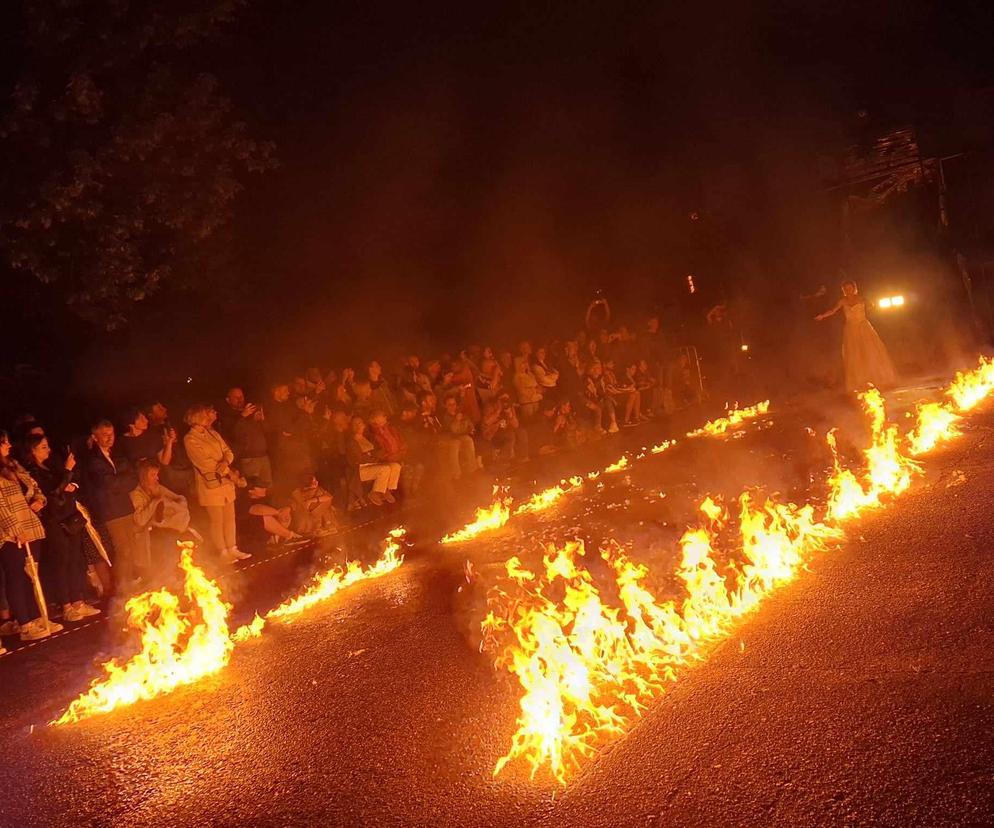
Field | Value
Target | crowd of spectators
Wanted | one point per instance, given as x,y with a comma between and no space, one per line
286,466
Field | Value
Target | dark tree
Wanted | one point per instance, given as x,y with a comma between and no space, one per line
122,156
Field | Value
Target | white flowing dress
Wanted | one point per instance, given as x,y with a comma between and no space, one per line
864,354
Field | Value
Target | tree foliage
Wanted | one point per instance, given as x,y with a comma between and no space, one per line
123,158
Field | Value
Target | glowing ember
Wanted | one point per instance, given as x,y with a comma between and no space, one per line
934,423
540,501
621,463
326,584
735,417
487,518
178,646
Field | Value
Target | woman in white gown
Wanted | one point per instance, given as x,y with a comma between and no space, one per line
864,355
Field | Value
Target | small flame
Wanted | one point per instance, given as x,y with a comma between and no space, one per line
618,465
545,499
733,418
663,446
487,519
251,630
178,646
326,584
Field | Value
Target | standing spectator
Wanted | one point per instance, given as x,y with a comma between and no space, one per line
417,441
381,397
571,382
457,438
598,314
177,474
527,387
216,480
362,457
20,502
110,479
139,441
243,426
63,562
547,376
465,382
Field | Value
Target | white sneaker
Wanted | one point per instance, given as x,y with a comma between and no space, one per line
35,630
239,555
86,610
3,650
613,428
54,627
228,557
10,627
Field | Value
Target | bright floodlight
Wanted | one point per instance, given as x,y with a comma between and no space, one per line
885,302
897,301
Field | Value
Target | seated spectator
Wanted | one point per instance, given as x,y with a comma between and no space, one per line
20,502
216,480
298,387
110,479
527,388
311,508
260,521
622,388
362,403
465,381
161,516
647,384
433,370
598,402
456,439
362,456
506,363
566,433
489,382
411,380
501,432
62,559
243,426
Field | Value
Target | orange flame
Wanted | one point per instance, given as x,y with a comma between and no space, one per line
971,388
888,471
487,519
588,668
734,417
618,465
326,584
934,423
545,499
177,646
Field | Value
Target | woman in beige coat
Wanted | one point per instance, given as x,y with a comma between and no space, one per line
216,480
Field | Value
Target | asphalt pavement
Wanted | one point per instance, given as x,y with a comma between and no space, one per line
861,693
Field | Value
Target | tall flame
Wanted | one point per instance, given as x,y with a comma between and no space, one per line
178,646
327,583
588,667
934,423
969,389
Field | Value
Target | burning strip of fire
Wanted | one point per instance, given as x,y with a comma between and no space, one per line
588,666
734,417
620,464
487,518
327,583
178,646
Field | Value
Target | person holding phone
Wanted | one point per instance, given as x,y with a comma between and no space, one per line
63,562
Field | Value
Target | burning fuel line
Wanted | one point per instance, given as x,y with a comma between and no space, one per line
183,644
501,509
588,666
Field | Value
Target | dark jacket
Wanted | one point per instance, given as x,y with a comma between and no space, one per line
108,489
52,481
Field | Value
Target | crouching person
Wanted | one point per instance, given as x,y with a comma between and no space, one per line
161,516
311,507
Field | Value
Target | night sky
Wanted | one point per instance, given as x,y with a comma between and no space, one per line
463,172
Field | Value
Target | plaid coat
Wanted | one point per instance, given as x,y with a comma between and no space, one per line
16,517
